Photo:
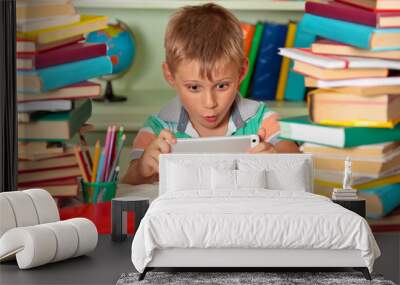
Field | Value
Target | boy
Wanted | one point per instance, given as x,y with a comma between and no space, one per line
205,64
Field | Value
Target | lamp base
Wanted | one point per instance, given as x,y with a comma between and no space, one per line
109,95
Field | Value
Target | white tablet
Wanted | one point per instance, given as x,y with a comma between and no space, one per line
232,144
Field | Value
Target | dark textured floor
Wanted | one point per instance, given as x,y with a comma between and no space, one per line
102,266
270,278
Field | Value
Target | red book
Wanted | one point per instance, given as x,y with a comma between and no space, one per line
349,13
69,53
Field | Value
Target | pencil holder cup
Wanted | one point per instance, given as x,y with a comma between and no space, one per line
94,192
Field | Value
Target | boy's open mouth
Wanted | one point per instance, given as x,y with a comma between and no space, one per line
210,119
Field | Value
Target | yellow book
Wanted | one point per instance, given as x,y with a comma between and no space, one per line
280,91
87,24
360,123
366,185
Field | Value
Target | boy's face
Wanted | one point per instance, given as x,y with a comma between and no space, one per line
207,102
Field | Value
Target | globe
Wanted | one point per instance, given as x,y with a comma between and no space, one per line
121,48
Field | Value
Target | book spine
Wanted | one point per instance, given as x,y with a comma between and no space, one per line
69,73
69,54
244,86
341,31
295,89
342,12
30,48
88,24
283,75
268,64
356,136
248,34
47,168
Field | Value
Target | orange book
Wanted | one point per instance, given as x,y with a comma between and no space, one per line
248,34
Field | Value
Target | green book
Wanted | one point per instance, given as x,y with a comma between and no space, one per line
255,44
300,128
56,126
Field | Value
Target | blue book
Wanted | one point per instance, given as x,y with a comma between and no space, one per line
268,65
381,200
295,89
357,35
45,79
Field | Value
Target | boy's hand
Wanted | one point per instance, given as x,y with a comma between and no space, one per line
263,146
148,163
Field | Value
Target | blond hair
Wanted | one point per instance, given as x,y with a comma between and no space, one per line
208,33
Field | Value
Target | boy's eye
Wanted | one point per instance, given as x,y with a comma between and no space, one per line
222,86
193,88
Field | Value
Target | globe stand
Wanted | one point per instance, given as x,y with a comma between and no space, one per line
109,95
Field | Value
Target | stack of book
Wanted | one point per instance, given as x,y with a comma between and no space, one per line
354,107
53,94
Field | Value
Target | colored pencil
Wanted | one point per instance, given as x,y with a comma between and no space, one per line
118,137
84,163
96,160
110,148
81,165
116,173
120,133
100,167
98,178
116,160
106,145
85,147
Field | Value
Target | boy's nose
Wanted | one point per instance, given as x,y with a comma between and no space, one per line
209,100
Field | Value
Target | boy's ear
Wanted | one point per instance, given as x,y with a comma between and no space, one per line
244,69
168,74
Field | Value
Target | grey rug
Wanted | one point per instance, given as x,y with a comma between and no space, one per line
231,278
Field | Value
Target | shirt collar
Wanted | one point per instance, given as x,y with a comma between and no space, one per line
242,110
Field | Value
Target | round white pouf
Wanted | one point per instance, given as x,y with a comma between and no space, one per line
87,234
7,218
67,240
33,246
23,208
40,244
45,205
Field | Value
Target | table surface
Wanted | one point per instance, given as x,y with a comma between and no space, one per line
94,268
99,214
